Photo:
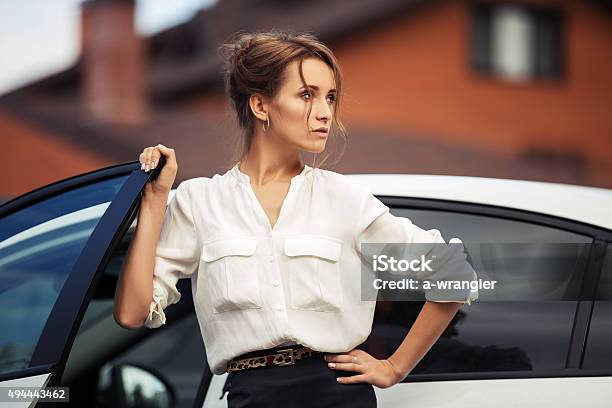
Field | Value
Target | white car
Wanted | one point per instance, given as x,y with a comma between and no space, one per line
61,249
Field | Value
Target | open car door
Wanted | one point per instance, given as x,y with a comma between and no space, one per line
54,245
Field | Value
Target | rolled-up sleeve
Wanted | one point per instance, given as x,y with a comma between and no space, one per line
449,262
176,254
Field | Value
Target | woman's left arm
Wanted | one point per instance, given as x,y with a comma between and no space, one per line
427,328
380,226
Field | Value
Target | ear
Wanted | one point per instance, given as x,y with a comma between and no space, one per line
259,105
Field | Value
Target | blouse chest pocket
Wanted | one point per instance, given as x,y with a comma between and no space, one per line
314,272
231,274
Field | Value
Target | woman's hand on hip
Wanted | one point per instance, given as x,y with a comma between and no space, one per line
381,373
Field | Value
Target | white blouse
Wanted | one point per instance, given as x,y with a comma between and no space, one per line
256,287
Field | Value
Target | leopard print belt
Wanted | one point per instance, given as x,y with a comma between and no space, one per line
279,358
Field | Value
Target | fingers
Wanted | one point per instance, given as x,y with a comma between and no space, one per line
148,154
341,358
155,154
149,158
344,362
353,379
347,367
166,151
144,158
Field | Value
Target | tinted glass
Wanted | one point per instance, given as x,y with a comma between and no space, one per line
39,245
497,335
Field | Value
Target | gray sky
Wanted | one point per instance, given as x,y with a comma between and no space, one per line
40,37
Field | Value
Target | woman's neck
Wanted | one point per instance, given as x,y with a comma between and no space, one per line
262,171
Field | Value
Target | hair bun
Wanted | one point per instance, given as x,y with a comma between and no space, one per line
238,50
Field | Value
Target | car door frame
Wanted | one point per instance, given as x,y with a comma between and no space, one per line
52,349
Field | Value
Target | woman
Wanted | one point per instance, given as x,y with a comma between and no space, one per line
276,243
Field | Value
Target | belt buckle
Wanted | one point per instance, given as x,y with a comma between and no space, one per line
291,361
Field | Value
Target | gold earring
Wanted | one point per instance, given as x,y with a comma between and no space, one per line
263,125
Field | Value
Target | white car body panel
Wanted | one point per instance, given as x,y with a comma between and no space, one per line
558,392
566,392
579,203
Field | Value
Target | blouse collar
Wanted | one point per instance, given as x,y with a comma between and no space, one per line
244,178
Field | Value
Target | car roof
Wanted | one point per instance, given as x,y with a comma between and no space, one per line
589,205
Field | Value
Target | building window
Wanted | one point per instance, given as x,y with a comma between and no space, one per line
516,42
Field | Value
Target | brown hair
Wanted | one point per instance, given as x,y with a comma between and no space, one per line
255,63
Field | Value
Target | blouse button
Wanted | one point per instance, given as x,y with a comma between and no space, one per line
275,283
279,308
272,258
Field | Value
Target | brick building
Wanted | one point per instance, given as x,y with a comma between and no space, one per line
514,89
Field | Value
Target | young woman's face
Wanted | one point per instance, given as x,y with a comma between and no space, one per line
289,109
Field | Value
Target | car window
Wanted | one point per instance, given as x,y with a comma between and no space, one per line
505,334
39,245
174,354
598,354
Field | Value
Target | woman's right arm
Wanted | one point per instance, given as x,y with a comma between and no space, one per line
134,291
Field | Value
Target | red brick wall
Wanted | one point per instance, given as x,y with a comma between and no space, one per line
35,157
413,75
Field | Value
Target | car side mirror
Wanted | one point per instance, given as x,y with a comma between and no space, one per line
132,385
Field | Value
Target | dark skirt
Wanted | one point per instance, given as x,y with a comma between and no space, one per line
308,383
